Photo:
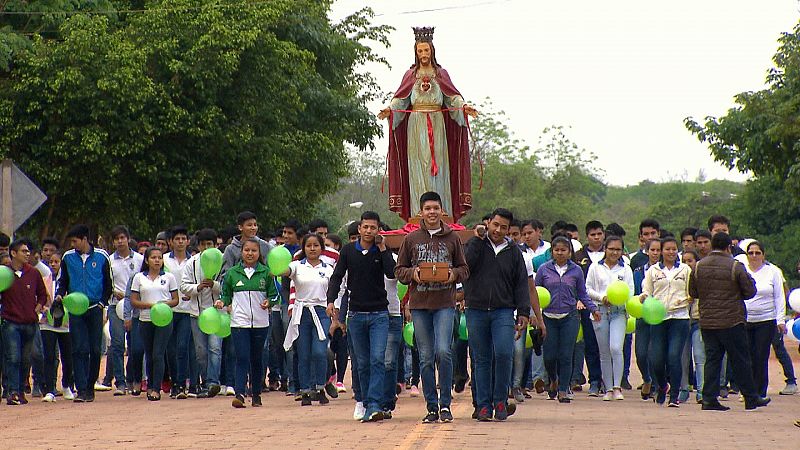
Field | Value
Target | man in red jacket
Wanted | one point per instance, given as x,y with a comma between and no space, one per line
22,304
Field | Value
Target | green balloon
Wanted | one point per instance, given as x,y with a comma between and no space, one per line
544,296
528,339
6,278
653,311
580,334
462,328
618,293
77,303
160,314
634,307
408,334
401,290
211,262
630,327
209,320
278,260
224,325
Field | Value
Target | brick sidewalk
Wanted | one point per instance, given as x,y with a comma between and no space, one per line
130,422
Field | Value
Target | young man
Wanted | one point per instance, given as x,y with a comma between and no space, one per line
291,235
648,229
5,241
687,238
366,261
125,263
21,305
248,228
199,293
318,226
702,241
721,224
85,269
721,284
515,231
181,366
497,287
432,304
49,246
593,251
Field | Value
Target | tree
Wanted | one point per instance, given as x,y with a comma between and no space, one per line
761,134
190,112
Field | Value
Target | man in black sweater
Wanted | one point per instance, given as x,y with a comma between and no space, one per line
366,261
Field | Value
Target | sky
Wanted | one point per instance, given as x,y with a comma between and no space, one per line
621,74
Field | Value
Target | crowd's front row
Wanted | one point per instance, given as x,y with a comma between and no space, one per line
347,300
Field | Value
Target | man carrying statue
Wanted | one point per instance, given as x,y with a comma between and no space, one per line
428,135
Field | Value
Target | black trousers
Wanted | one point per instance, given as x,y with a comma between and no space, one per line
759,336
49,340
732,341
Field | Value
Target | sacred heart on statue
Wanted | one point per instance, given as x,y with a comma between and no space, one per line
426,84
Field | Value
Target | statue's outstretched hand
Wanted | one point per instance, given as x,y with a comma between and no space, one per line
471,111
384,113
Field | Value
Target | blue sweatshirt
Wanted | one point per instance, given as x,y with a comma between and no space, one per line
566,290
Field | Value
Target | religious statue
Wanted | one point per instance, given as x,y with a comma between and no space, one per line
428,136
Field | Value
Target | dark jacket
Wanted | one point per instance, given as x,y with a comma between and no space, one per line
365,269
19,301
419,246
496,281
721,284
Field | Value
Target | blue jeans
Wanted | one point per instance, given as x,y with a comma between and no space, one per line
135,353
783,358
155,341
610,334
228,366
393,348
208,349
642,348
591,349
699,354
558,347
17,341
369,332
433,332
312,354
117,328
666,346
491,339
178,349
354,380
521,355
86,331
277,356
249,344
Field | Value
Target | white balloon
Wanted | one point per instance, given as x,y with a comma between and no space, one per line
789,334
794,300
120,309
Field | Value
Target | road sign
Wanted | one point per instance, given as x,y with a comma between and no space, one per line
19,197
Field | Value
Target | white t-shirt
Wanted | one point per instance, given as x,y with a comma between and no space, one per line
153,291
311,282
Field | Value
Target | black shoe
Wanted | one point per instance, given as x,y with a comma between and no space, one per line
202,393
181,394
13,400
460,384
625,384
256,401
713,406
661,397
475,413
78,398
192,392
431,417
500,412
756,402
89,397
284,386
321,398
723,392
484,415
330,389
238,401
305,400
376,416
511,409
174,391
213,390
387,414
445,415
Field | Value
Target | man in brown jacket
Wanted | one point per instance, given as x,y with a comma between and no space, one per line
721,284
432,304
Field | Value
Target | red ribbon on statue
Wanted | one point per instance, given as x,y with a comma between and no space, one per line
434,167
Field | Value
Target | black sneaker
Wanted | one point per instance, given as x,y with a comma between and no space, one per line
373,417
13,399
714,406
330,389
192,392
431,417
284,386
475,413
89,397
202,393
460,384
387,414
723,392
661,397
445,415
625,384
256,401
321,398
238,401
78,398
174,391
484,415
305,400
213,390
750,404
500,412
511,409
181,394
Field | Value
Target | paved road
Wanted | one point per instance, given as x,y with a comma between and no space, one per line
128,422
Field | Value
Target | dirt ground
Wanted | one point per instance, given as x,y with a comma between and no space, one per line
130,422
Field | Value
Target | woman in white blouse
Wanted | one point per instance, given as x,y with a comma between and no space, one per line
765,312
610,329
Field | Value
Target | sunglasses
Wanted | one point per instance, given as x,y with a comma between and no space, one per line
755,253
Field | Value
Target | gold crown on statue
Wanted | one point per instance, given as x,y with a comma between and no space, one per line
423,34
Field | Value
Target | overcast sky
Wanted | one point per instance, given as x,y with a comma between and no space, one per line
622,73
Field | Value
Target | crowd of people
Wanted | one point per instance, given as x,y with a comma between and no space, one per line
474,304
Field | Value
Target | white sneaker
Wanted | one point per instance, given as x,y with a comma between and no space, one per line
790,389
49,398
229,391
68,395
359,412
608,396
618,394
101,387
